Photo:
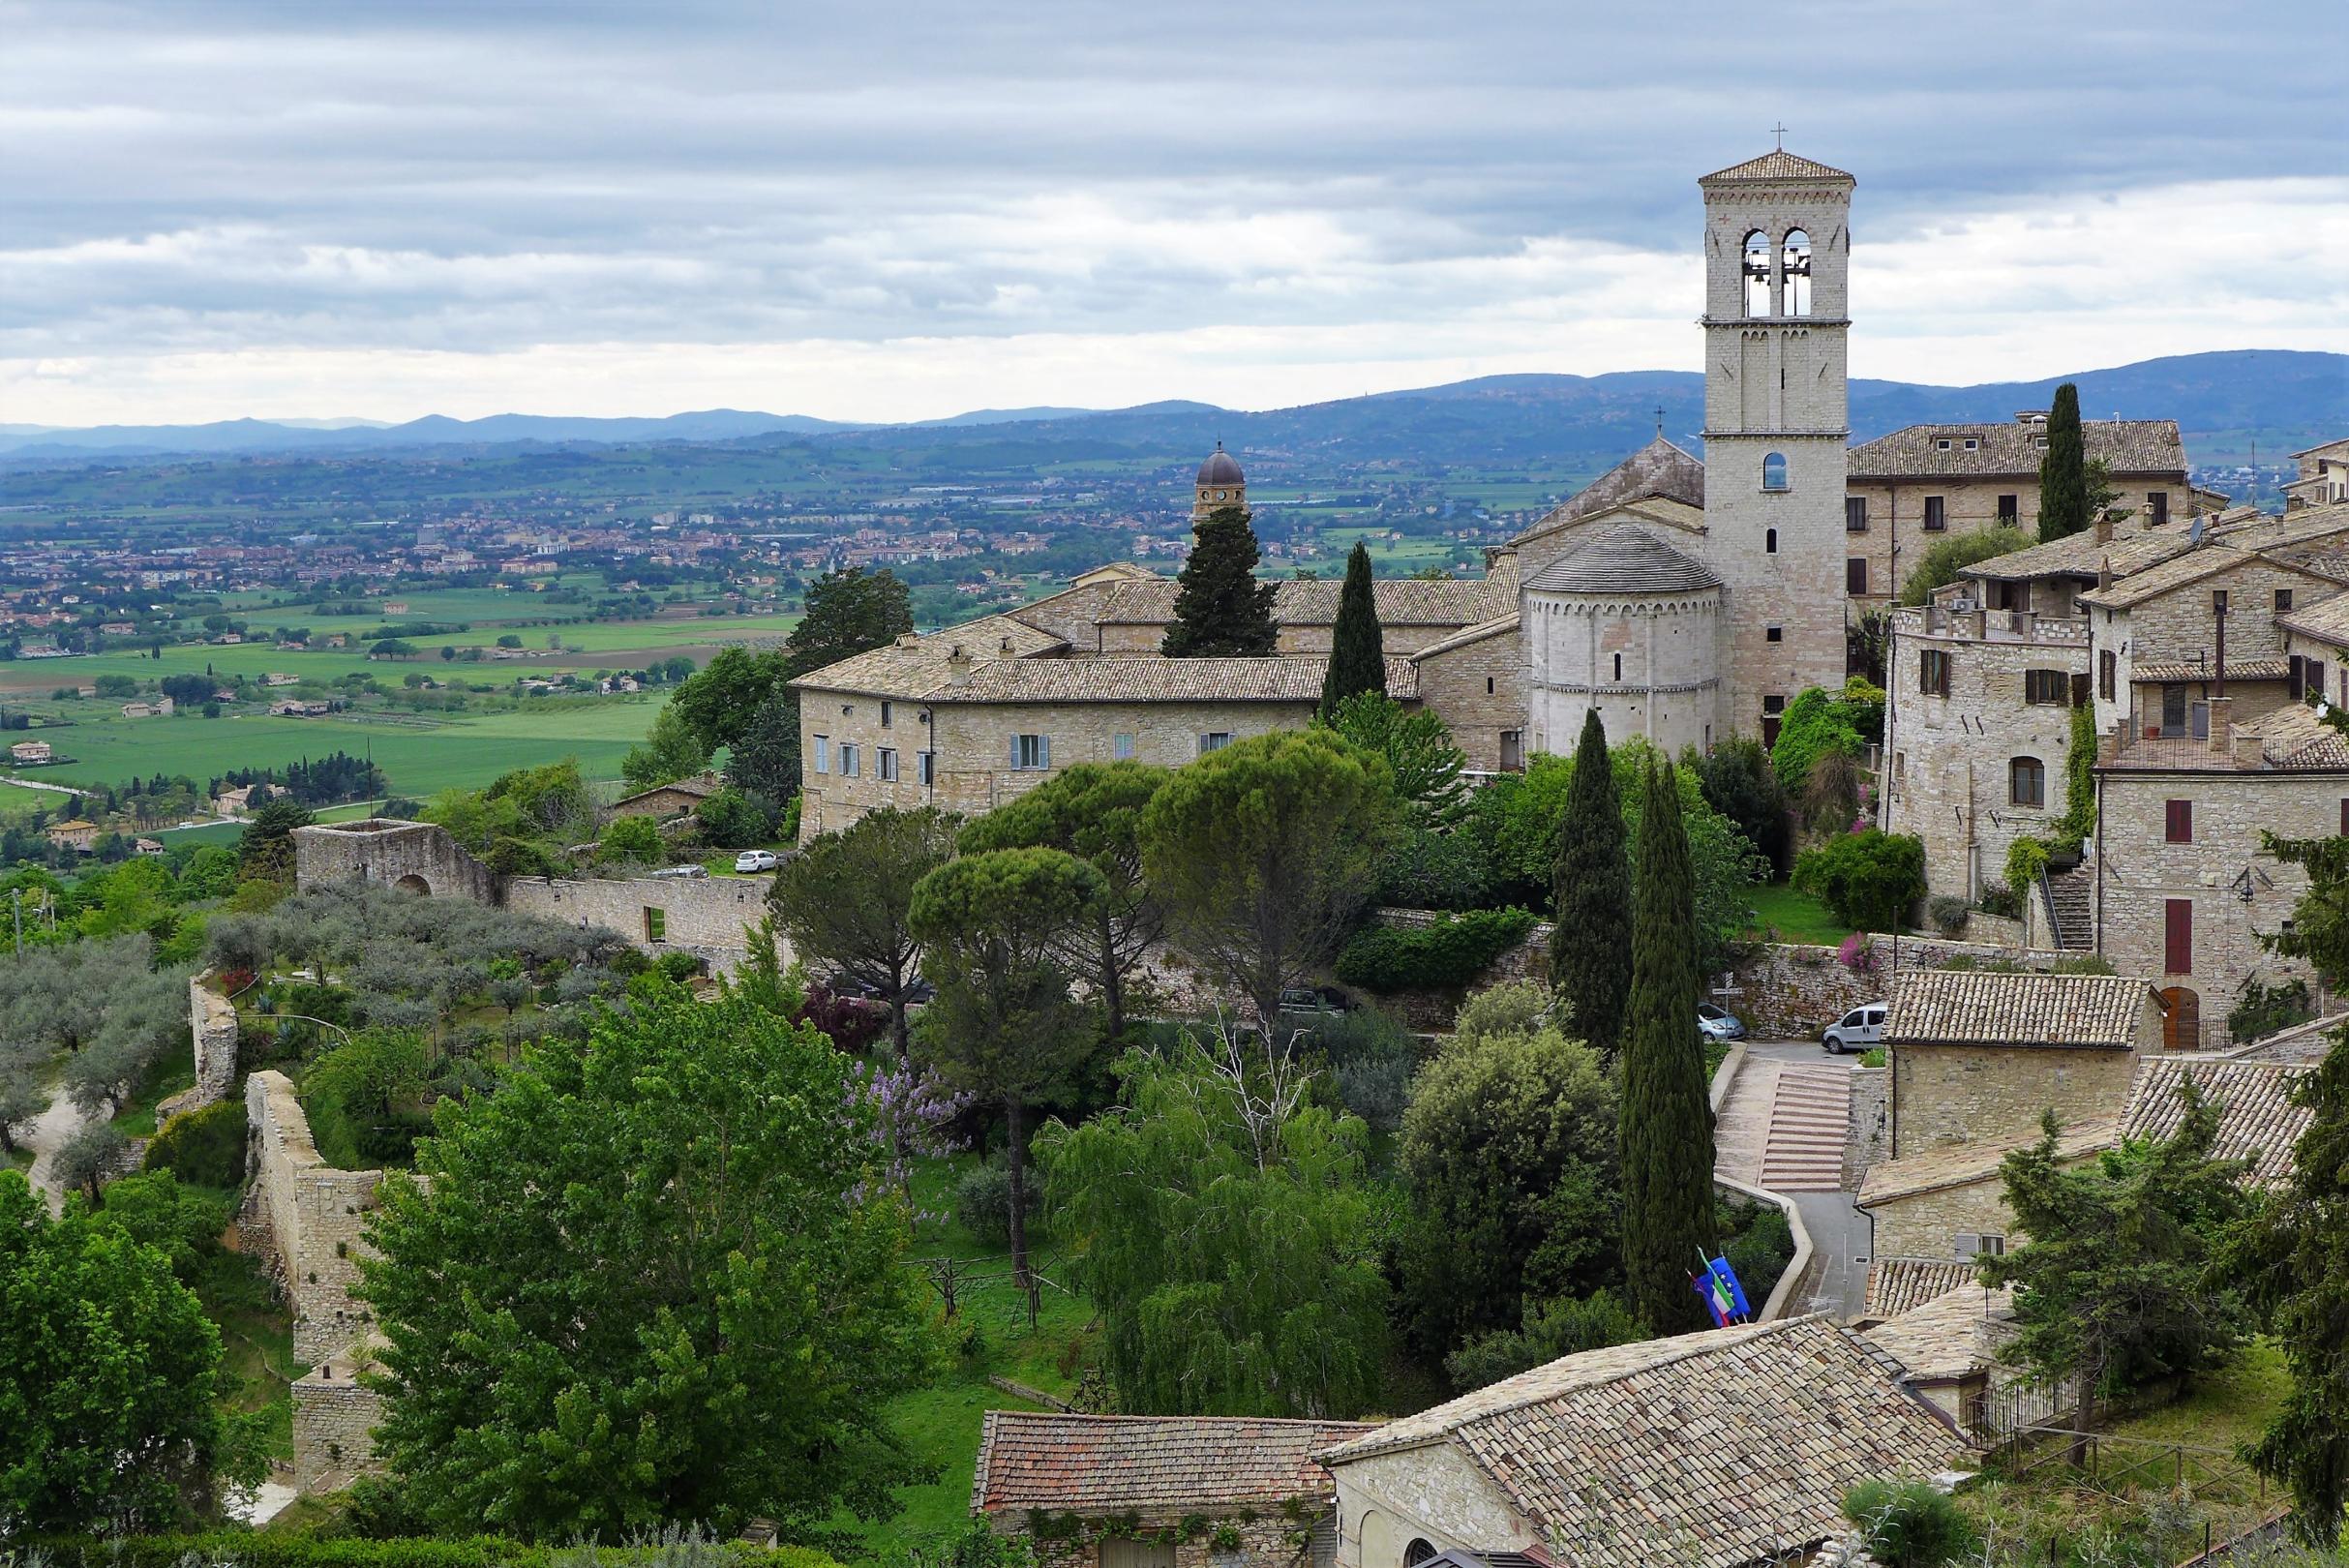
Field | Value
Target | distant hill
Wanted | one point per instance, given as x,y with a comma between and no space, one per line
2278,396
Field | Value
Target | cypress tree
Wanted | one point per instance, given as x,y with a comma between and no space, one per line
1220,609
1666,1130
1591,943
2063,472
1358,651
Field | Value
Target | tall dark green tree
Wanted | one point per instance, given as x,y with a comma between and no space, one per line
1666,1131
1591,943
1220,609
2064,500
1358,650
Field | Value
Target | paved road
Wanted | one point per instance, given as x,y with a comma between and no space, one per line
1838,1232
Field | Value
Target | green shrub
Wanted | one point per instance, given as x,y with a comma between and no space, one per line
205,1146
1907,1524
1446,953
2266,1009
1563,1327
1868,880
632,840
1759,1242
2025,858
2000,899
1943,558
681,966
982,1203
1947,914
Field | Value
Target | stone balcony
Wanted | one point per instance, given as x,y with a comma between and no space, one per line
2021,626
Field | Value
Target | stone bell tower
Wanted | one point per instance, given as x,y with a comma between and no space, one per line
1777,420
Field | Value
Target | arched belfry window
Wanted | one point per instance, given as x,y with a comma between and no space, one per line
1756,271
1774,470
1795,268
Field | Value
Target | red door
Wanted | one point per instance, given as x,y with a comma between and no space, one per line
2177,936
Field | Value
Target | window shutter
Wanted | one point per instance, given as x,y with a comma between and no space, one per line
1015,751
2079,689
1202,745
2177,936
2296,678
1967,1244
1044,751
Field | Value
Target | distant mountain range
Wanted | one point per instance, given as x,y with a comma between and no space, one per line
2274,394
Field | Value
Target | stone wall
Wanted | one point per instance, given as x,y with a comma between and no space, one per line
313,1215
1979,1094
1792,992
1436,1494
334,1422
1868,1133
710,917
1270,1541
212,1020
1928,1224
418,856
1477,685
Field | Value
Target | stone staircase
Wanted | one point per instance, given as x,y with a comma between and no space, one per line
2070,913
1809,1115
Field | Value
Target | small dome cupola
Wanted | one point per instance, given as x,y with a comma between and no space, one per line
1219,484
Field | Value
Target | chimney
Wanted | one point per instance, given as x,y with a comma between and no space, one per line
2223,709
2251,748
2104,530
958,666
2110,741
909,639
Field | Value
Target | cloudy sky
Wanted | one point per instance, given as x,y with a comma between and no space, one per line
212,208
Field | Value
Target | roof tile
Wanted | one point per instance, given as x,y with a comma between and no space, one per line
1158,1467
1949,1006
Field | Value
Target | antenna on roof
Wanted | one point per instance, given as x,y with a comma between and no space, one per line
1780,132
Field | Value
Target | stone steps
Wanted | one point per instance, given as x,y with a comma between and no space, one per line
2070,913
1809,1115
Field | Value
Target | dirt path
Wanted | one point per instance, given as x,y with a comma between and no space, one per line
52,1131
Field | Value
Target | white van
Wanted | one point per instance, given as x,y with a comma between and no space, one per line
1862,1028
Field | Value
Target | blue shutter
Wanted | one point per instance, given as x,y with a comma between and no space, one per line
1044,751
1015,751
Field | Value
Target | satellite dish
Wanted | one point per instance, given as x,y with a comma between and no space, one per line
2193,531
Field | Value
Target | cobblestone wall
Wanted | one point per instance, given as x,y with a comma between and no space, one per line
334,1422
1974,1093
1792,992
707,916
1867,1138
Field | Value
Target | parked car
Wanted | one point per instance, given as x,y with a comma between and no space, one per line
757,860
682,872
1718,1023
1862,1028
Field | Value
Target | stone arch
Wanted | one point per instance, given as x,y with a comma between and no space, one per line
2180,1019
1754,267
414,883
1794,269
1418,1551
1377,1540
1773,471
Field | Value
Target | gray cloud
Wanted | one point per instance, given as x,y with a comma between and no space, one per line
187,179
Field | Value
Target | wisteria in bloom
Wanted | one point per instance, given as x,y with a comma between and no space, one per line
912,1114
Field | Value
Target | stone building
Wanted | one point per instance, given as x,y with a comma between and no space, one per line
1630,627
1927,482
2182,886
1978,1056
2324,476
1161,1492
1733,1446
676,799
1948,1204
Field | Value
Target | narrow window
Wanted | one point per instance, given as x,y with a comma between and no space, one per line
656,924
2296,677
1619,667
2079,690
849,759
926,768
1855,576
2158,506
1855,514
2178,821
1120,748
1936,516
2108,669
1488,685
1756,271
2027,782
823,758
1933,672
886,711
1794,265
1774,471
2009,508
1770,542
2177,936
2284,601
1773,634
885,764
2316,676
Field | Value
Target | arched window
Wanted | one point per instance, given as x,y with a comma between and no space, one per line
2027,782
1774,471
1618,668
1418,1551
1756,271
1795,266
1769,541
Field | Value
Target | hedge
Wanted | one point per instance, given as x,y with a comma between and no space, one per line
1446,953
250,1549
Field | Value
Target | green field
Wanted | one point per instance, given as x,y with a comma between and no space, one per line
420,754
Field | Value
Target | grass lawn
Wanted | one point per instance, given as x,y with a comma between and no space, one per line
138,1118
1797,916
989,1334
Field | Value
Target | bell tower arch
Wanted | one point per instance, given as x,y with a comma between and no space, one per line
1777,424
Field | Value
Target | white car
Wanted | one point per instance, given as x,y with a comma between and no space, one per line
756,861
1862,1028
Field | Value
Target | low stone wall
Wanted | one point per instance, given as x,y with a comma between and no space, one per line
335,1417
313,1215
1788,993
1868,1138
710,917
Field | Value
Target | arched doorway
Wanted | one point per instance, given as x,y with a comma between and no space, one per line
2180,1019
414,883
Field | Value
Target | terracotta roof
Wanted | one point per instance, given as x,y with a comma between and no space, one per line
1954,1335
700,786
1962,1164
1778,165
1401,602
2257,1120
2194,566
913,665
2080,555
1895,1284
2327,622
1631,1456
1152,677
2266,530
1949,1007
2276,668
1624,560
1157,1467
2132,448
1657,469
2293,739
